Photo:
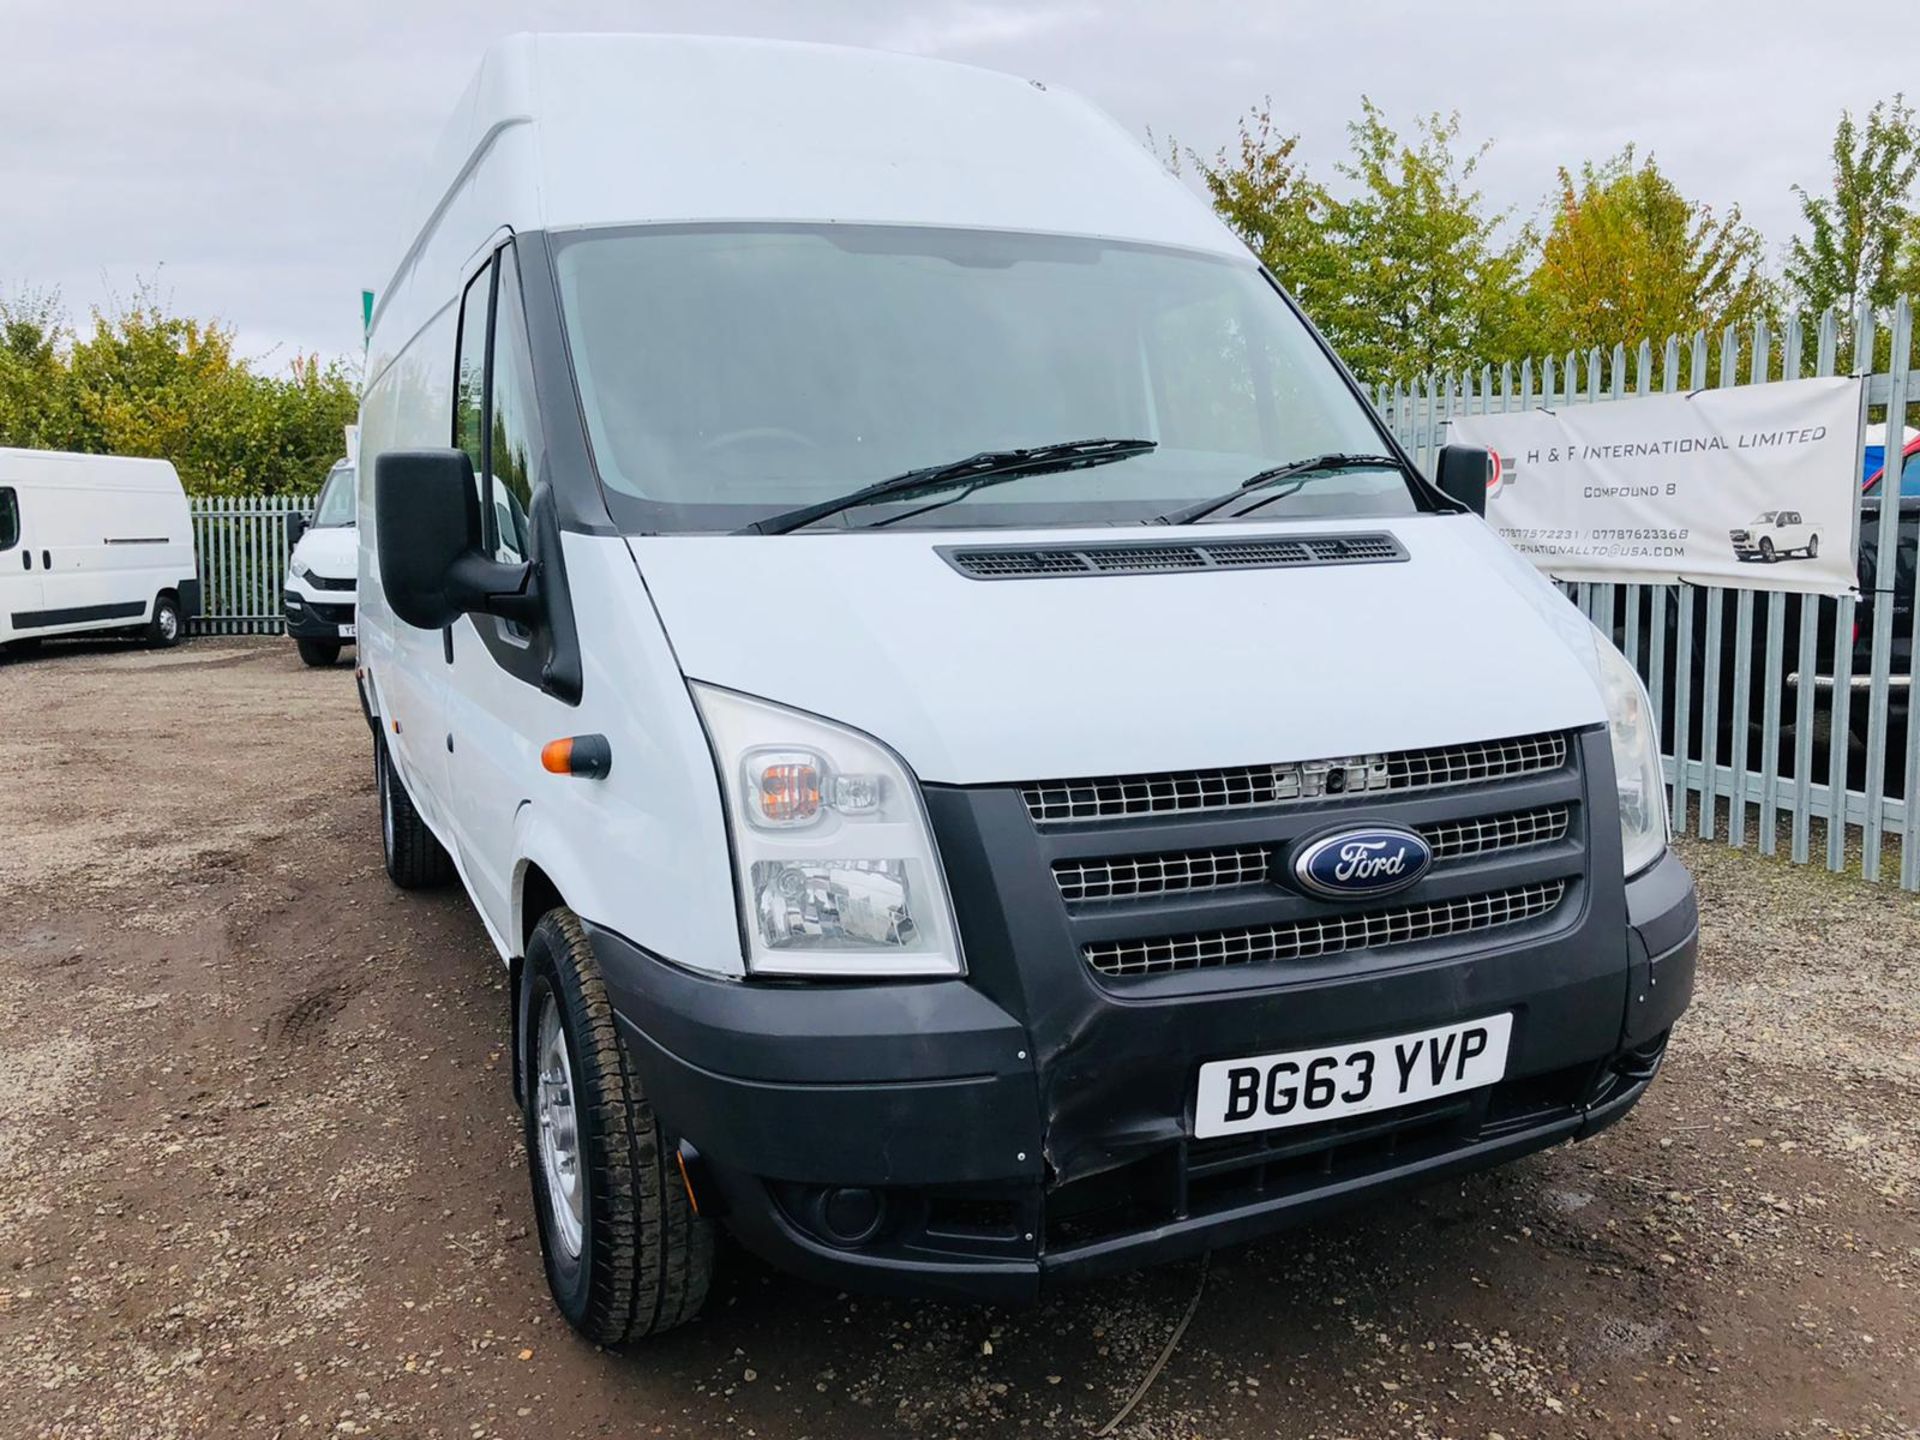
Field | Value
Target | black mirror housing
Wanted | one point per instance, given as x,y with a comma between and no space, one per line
427,522
296,527
1465,472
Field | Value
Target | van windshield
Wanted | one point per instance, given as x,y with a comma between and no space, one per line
335,506
731,372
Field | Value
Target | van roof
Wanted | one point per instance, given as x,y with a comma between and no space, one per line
560,131
67,467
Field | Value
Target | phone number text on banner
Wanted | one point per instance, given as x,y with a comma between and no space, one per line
1754,486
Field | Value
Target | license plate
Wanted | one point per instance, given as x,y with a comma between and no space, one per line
1304,1087
346,632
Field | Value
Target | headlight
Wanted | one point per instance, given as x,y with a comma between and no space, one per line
300,569
836,869
1636,759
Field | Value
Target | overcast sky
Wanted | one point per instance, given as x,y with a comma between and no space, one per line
258,155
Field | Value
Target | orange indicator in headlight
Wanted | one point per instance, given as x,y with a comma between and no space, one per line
789,792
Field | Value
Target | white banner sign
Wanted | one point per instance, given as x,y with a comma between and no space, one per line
1754,486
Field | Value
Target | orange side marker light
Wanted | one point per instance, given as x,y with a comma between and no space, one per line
587,756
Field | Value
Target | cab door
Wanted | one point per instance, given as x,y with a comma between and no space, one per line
21,590
498,714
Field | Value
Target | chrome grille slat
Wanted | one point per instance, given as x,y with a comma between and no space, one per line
1329,935
1121,796
1491,834
1133,877
1139,877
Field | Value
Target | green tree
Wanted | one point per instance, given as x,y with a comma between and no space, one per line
1266,197
36,399
145,381
1407,272
1862,242
1431,280
1627,258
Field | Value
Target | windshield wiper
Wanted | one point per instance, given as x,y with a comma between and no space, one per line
1293,469
988,467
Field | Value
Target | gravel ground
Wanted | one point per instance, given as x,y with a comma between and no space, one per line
260,1174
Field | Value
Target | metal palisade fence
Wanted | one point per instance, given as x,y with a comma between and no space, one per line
241,544
1754,753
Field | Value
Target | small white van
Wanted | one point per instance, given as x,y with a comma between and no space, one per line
984,761
317,597
93,543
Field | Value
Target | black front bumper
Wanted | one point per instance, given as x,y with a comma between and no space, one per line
316,620
1035,1121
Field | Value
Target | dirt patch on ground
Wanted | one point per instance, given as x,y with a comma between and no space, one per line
260,1173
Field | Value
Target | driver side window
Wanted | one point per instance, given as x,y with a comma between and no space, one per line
513,419
496,421
470,377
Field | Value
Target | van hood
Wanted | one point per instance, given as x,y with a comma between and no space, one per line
333,551
993,681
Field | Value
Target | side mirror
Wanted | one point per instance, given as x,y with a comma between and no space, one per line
296,527
427,518
1465,473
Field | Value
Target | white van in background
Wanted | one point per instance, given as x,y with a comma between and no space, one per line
321,568
984,761
93,543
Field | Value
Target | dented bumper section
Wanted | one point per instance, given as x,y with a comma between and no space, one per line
978,1138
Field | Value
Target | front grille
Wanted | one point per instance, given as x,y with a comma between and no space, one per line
1329,935
1138,877
331,614
1115,797
1161,557
329,582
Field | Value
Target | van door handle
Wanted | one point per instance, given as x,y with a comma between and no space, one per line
26,559
46,559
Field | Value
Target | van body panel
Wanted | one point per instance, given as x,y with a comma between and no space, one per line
333,551
976,681
644,849
411,406
100,538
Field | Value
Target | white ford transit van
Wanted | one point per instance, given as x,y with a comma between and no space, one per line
317,597
984,761
94,543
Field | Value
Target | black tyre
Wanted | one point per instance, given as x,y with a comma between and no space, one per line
317,653
626,1256
164,630
415,860
1766,550
1813,547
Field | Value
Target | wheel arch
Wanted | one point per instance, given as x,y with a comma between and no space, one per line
535,892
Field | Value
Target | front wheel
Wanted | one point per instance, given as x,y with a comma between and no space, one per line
1766,551
1813,547
163,630
317,653
626,1255
415,859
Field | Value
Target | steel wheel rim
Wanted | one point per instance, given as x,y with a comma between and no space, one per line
559,1132
169,623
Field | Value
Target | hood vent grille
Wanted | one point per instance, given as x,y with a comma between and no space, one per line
1159,557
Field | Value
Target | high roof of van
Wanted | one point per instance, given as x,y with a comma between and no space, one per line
69,468
559,131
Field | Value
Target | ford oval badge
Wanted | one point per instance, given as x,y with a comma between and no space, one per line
1358,864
